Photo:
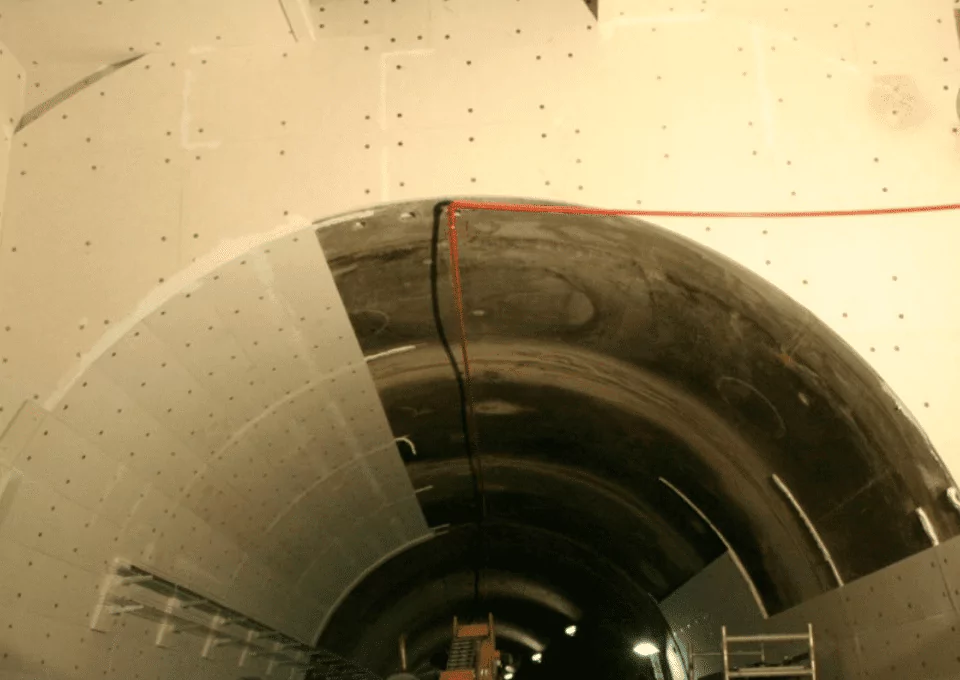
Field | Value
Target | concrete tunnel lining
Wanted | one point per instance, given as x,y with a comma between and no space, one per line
669,347
248,120
203,444
592,383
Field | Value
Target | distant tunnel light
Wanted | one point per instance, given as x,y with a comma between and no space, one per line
645,649
570,630
508,676
537,658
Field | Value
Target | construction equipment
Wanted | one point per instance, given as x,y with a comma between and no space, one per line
792,668
473,652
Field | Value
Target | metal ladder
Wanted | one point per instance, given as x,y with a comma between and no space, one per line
463,654
782,671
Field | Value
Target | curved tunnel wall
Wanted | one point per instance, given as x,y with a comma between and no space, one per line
144,479
231,442
230,131
608,356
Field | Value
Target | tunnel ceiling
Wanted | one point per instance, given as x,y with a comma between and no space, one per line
608,357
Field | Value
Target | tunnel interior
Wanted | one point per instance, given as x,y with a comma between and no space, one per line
635,395
237,439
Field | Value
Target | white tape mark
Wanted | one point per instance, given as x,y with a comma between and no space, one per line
723,539
408,442
928,526
954,497
813,532
389,352
423,488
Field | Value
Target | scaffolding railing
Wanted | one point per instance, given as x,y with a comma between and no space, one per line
793,668
133,590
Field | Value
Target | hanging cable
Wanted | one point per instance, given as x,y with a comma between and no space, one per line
464,388
462,372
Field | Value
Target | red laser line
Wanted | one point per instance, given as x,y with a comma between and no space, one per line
578,210
455,206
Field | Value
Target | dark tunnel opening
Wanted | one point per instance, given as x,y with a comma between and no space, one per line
615,364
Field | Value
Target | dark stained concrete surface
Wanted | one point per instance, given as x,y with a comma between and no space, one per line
608,353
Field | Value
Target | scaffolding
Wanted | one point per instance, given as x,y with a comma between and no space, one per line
792,668
133,590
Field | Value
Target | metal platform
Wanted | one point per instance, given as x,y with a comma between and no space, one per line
787,669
